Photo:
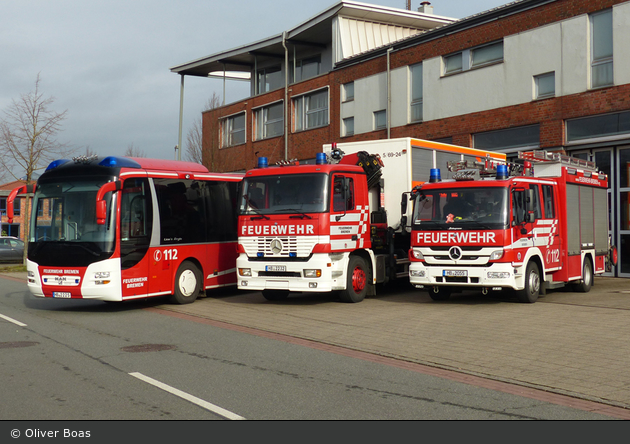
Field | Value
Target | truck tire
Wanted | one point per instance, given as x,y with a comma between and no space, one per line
584,286
356,281
443,293
530,293
188,281
275,295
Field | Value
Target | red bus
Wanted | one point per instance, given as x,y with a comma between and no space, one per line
121,228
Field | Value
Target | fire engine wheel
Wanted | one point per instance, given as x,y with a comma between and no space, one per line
187,283
530,293
275,295
587,277
357,281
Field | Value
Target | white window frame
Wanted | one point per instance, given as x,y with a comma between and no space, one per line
228,132
381,114
347,92
301,113
467,56
605,59
415,102
346,123
262,122
537,83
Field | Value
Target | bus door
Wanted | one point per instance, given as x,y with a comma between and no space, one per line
136,221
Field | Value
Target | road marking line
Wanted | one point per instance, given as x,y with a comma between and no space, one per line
12,320
200,402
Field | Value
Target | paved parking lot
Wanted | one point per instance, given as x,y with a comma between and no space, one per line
575,344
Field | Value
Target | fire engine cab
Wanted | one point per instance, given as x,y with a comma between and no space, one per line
537,224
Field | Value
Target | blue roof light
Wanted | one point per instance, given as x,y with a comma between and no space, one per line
55,163
121,162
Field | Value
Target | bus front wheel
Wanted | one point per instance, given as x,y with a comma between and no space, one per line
187,283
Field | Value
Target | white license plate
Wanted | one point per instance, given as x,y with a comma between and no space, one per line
455,273
61,294
276,268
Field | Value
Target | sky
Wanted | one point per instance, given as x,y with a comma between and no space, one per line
107,63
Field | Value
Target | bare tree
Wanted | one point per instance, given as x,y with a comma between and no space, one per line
194,139
134,151
28,134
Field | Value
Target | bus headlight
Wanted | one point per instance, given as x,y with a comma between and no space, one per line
312,273
101,277
245,271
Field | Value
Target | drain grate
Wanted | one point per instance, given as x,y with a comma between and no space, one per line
147,348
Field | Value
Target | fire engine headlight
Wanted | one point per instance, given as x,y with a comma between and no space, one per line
416,273
312,273
245,271
417,254
498,254
498,275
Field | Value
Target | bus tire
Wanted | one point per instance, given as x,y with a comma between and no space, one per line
275,295
584,286
188,281
530,293
356,281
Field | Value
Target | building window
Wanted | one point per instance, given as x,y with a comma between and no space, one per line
17,206
601,49
311,110
307,68
380,119
347,92
545,85
233,130
473,58
269,121
521,137
608,125
485,55
269,79
348,126
416,93
3,206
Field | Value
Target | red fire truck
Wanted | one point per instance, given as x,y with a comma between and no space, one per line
534,225
339,225
120,228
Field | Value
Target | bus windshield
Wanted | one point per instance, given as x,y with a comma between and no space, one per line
465,208
285,194
64,231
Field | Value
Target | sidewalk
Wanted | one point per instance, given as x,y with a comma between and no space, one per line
575,344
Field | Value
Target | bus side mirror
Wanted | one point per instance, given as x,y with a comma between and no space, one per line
101,204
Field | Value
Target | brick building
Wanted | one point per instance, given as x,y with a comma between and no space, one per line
532,74
16,228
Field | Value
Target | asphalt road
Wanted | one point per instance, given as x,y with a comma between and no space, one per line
82,360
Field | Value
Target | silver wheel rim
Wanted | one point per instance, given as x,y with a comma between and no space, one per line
534,283
187,283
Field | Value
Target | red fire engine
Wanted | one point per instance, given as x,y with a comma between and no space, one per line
536,225
340,225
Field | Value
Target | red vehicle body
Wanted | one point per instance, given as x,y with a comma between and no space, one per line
530,232
340,225
119,228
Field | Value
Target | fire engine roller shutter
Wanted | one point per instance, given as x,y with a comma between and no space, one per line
587,230
601,220
573,223
422,162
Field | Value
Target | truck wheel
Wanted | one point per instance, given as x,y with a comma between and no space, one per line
275,295
530,293
587,277
357,281
440,293
188,282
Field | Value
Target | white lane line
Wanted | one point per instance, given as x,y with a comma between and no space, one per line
12,320
200,402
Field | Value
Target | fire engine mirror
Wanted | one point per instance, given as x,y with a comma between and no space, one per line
403,204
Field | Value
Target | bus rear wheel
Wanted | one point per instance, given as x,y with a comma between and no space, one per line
188,282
